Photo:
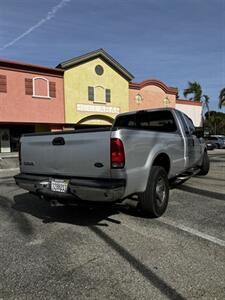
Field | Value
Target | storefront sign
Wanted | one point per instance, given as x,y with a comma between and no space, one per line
98,108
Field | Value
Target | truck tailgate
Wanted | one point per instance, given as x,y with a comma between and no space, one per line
83,154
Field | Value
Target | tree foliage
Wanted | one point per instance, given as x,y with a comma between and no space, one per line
222,98
215,123
194,89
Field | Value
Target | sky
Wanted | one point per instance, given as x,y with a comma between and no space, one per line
175,41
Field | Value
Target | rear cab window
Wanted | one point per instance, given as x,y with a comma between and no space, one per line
161,121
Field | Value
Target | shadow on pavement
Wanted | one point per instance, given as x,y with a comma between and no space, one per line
23,224
146,272
93,217
211,178
77,215
210,194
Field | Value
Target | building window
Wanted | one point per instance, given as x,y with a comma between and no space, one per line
99,70
107,95
40,87
99,94
91,94
3,84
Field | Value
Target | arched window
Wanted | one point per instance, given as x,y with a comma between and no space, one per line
41,87
99,94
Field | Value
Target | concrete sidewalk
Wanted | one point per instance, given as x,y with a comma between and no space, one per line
8,154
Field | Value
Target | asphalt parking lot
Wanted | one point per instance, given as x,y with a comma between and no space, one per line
112,253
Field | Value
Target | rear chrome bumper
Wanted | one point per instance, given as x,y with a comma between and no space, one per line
103,190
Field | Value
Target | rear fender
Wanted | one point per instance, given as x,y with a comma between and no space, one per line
137,178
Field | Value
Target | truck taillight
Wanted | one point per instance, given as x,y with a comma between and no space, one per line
117,154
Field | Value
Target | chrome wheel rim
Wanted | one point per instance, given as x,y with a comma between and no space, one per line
160,191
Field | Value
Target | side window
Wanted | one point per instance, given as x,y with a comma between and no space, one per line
189,124
186,129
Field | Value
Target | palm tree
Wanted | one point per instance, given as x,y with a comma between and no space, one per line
206,103
222,98
195,89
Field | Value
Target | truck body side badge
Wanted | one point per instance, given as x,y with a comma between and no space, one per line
98,165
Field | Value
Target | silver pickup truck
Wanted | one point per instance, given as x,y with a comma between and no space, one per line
141,156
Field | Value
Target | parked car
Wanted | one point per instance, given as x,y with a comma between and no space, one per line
221,137
217,141
210,145
141,155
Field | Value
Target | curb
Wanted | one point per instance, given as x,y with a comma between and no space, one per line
11,169
11,155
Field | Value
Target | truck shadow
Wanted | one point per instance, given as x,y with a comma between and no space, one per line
93,217
201,192
77,215
16,217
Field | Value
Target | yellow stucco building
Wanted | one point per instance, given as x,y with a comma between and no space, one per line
96,89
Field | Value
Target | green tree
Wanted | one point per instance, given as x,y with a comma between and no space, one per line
206,104
222,98
216,123
194,88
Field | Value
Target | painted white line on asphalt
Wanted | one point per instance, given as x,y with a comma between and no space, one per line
193,232
189,230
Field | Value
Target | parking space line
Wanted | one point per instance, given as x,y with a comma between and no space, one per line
193,231
181,227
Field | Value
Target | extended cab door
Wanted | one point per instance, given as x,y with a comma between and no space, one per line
193,143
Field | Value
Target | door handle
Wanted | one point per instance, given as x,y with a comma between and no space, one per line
58,141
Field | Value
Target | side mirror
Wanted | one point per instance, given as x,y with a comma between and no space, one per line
199,132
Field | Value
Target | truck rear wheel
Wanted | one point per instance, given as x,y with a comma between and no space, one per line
154,201
205,164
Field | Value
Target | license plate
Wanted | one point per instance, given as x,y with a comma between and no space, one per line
59,185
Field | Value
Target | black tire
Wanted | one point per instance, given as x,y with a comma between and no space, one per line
205,164
151,203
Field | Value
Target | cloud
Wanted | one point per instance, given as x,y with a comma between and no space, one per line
50,15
